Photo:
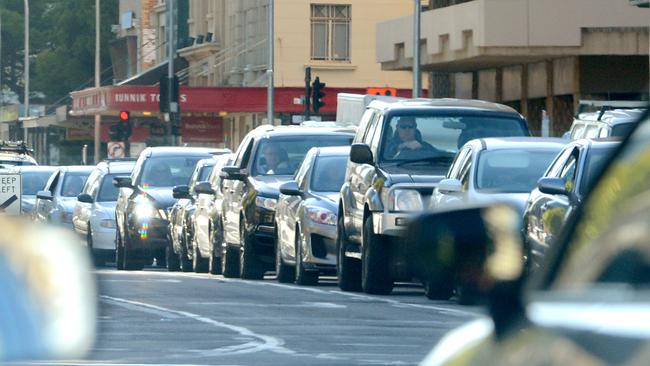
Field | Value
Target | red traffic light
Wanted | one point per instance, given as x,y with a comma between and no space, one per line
124,116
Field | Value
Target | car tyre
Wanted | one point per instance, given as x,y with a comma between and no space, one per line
348,270
230,262
199,264
183,257
375,271
303,277
119,251
250,267
284,272
173,264
434,291
98,259
130,263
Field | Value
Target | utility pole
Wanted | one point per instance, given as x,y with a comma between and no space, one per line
1,94
173,105
269,72
98,117
26,67
417,82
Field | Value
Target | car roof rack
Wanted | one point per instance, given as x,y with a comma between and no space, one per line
16,146
608,105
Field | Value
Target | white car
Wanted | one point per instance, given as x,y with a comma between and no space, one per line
55,203
34,178
504,169
94,212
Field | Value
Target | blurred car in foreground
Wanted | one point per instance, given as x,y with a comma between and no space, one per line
496,169
306,217
589,302
562,188
208,233
141,212
182,252
55,203
34,179
94,213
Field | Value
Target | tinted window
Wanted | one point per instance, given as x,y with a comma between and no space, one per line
512,170
622,129
327,175
595,162
205,173
16,162
168,171
107,191
73,183
34,181
285,154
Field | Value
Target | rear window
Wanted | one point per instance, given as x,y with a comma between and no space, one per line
512,170
34,181
328,175
73,183
108,191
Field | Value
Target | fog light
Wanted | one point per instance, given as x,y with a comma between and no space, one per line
401,221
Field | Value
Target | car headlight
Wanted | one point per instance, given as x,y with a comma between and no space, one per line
407,200
267,203
107,223
145,210
321,216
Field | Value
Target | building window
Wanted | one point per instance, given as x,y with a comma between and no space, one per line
330,32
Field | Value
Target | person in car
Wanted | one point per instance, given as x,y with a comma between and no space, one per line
159,174
73,186
276,160
407,140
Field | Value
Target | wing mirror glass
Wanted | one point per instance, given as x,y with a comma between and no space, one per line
552,186
122,182
85,198
204,188
232,172
361,154
290,188
179,192
44,195
450,186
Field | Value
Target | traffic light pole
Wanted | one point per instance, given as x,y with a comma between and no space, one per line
173,105
307,92
269,72
98,117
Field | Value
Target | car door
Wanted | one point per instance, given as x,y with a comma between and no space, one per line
233,190
361,175
82,210
42,208
292,207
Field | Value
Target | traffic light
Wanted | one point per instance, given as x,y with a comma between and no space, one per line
317,95
382,91
125,125
165,97
115,132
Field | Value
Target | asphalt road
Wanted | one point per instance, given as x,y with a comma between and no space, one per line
153,317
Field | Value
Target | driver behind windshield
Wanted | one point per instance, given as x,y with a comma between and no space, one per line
407,140
276,160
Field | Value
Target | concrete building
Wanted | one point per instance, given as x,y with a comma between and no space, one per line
531,54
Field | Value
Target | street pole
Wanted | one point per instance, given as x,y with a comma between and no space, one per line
98,117
26,67
417,85
1,93
170,71
269,72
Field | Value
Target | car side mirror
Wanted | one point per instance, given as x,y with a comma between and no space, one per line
179,192
477,251
361,154
552,186
450,186
44,195
290,188
232,172
204,188
122,182
85,198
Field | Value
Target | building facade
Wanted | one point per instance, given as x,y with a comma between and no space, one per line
535,55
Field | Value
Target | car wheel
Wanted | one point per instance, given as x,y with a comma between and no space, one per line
199,263
250,267
173,264
230,262
119,251
130,263
183,255
303,277
348,270
466,295
434,290
375,274
284,272
214,265
98,259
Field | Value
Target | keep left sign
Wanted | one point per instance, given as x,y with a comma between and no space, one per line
10,194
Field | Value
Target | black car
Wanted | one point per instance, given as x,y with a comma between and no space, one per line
560,191
401,150
587,304
267,157
181,254
141,212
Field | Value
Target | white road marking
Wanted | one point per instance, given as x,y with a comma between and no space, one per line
104,363
262,343
304,304
145,281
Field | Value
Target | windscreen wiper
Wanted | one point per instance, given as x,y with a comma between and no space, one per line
441,160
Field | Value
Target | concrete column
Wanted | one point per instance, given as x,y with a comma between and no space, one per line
498,82
524,90
440,85
475,81
576,84
550,94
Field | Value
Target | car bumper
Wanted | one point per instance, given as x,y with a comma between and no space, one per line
104,239
149,237
391,223
321,241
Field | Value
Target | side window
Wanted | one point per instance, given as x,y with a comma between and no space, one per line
363,125
372,128
454,170
94,176
558,164
591,131
604,132
244,154
376,138
137,168
465,171
577,132
568,173
54,180
301,175
94,188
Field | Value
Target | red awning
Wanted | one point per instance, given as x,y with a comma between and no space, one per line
109,100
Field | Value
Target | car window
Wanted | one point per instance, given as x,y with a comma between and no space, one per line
73,183
622,129
610,246
594,164
591,131
511,170
578,131
465,171
454,169
168,171
244,148
556,166
604,132
372,129
363,125
569,170
304,168
283,155
92,178
327,175
107,190
34,181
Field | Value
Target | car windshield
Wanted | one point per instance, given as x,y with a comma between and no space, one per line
596,160
168,171
34,181
512,170
108,191
327,175
73,183
437,138
283,155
